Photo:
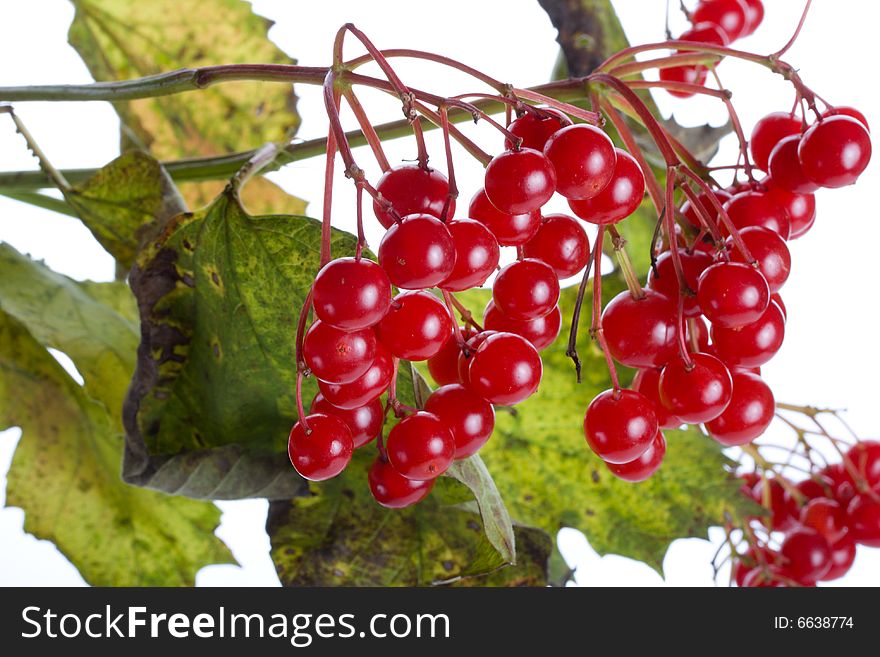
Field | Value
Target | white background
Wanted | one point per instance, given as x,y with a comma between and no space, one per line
830,357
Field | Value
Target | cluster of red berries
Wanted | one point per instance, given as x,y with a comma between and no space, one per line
360,331
716,23
821,519
683,376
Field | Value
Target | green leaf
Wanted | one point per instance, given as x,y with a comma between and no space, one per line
220,292
550,479
125,202
123,39
65,475
339,536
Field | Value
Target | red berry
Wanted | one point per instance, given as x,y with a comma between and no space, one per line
323,451
690,212
470,418
645,465
749,413
583,157
835,151
767,133
504,369
465,356
620,426
864,457
775,298
416,326
732,294
520,181
620,197
772,577
864,520
526,289
801,209
394,491
351,293
536,127
751,345
785,167
443,366
561,243
663,279
420,446
729,15
338,356
771,252
540,332
703,33
418,252
847,111
754,16
364,422
641,332
758,209
843,487
699,394
647,383
843,555
817,486
366,387
476,255
508,229
783,509
754,558
412,190
825,516
808,555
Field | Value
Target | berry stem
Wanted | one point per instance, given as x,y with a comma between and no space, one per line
667,61
450,308
572,351
737,126
329,168
596,330
626,266
300,410
452,194
779,53
397,407
466,316
703,214
685,87
367,128
420,143
672,245
362,240
585,115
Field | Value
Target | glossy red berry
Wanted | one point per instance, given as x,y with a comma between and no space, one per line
770,251
663,279
561,243
863,513
835,151
732,294
508,229
418,252
817,486
465,356
351,293
690,212
754,16
526,289
753,558
323,451
620,426
620,197
864,457
412,190
767,133
645,465
504,369
825,516
785,167
443,366
729,15
784,512
775,298
536,127
394,491
758,209
416,326
801,209
520,181
540,332
807,555
647,383
708,33
699,393
754,344
366,387
364,422
843,488
749,413
641,332
843,555
420,446
338,356
476,255
470,418
583,158
843,110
